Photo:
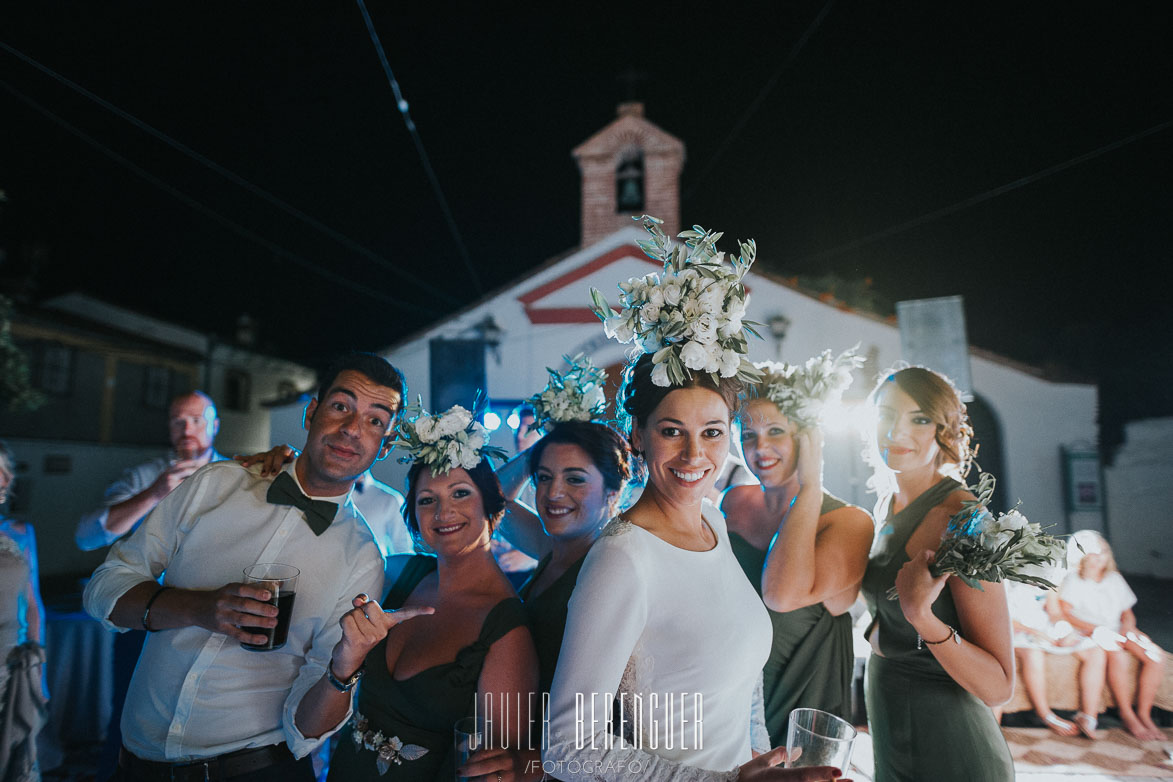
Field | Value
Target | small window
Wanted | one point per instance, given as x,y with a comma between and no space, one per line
237,390
629,182
56,370
157,388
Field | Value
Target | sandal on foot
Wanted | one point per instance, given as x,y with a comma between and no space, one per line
1087,724
1060,726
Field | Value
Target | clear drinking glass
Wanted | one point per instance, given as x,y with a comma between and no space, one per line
821,738
281,581
469,737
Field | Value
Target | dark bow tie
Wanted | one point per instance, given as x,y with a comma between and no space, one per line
318,513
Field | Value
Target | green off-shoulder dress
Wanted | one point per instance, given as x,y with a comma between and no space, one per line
811,661
924,725
423,709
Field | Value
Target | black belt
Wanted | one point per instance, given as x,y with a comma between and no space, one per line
227,766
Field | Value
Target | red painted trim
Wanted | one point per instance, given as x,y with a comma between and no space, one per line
544,315
588,268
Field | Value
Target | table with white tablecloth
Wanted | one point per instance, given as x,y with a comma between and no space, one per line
79,665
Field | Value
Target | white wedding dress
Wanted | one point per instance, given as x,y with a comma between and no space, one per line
680,635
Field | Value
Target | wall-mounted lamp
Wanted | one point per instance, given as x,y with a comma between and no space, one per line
490,333
779,324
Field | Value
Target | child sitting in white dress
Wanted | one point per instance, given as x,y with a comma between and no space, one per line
1098,602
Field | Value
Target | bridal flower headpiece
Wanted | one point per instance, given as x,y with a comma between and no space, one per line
450,439
803,392
573,395
690,318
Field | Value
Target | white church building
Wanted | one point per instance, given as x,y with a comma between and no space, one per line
1029,426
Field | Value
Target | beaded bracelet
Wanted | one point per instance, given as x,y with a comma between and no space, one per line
953,634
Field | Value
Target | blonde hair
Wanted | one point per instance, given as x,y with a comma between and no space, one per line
1091,542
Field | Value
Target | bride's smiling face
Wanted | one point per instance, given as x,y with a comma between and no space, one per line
685,442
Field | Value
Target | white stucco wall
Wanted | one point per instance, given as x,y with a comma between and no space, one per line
1139,490
1037,417
55,503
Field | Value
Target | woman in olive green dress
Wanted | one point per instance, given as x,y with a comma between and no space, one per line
812,573
579,470
942,653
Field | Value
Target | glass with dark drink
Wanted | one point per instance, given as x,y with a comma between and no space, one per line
281,581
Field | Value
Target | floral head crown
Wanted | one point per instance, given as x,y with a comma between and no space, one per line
691,318
450,439
802,392
574,395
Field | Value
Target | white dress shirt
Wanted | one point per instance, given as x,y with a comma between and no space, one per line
382,508
91,533
196,694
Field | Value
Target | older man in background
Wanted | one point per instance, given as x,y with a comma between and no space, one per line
193,425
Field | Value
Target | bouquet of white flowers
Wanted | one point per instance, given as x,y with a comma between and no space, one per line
978,547
691,318
450,439
802,392
573,395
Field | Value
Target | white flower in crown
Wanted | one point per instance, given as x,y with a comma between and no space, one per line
573,395
691,318
455,420
450,439
803,392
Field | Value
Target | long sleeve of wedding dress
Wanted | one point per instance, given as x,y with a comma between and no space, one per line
652,676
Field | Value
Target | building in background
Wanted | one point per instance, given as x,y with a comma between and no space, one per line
1026,421
108,375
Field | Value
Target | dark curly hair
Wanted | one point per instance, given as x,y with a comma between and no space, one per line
640,396
606,448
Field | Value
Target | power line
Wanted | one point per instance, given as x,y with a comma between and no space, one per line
401,104
761,97
977,199
289,209
209,212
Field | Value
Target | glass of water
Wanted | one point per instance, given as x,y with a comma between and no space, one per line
818,739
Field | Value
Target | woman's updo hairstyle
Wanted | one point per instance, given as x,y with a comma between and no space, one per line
607,450
482,476
640,396
936,396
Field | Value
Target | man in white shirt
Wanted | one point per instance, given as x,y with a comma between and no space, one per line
200,706
192,426
382,507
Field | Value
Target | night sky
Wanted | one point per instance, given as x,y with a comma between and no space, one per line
887,113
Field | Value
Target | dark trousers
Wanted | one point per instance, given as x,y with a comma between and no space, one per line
287,771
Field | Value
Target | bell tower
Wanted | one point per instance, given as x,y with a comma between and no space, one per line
629,168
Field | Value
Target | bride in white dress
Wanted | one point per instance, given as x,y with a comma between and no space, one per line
663,622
